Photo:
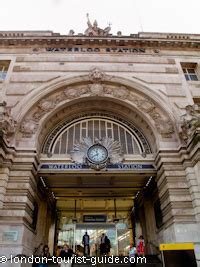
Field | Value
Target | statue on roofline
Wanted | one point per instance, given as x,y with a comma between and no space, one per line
94,30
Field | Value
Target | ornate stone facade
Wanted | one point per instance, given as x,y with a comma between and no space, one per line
53,81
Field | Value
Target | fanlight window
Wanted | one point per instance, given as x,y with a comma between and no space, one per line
97,128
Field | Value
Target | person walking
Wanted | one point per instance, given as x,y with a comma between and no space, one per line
66,255
103,244
45,255
86,244
140,246
132,255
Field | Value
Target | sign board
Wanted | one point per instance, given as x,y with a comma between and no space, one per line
94,218
119,166
10,236
178,255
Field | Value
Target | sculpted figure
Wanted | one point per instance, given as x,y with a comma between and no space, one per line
7,123
190,121
94,30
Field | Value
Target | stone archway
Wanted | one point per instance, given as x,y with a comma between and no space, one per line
96,86
46,106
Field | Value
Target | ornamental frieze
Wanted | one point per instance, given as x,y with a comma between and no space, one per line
96,88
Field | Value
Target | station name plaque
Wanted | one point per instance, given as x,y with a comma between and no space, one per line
119,166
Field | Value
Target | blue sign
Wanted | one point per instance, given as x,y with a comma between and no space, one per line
118,166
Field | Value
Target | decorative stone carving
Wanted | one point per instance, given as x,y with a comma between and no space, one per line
7,123
145,104
94,30
28,127
165,128
96,75
163,125
71,32
46,105
71,92
121,92
96,89
190,121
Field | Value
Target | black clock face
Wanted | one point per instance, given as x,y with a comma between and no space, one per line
97,154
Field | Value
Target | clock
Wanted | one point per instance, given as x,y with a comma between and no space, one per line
97,154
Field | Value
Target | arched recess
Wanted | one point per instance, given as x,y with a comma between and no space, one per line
52,100
96,123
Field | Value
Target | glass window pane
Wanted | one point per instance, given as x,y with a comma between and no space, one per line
122,137
83,124
129,143
187,77
108,125
63,143
103,132
70,139
90,129
96,128
193,78
77,132
56,150
83,133
115,131
109,133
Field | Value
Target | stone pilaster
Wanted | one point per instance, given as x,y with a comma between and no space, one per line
16,212
177,205
4,174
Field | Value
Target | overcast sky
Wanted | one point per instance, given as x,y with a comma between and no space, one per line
128,16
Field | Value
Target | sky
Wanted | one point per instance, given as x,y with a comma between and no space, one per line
127,16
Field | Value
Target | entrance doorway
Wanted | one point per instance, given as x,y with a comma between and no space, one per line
95,231
118,234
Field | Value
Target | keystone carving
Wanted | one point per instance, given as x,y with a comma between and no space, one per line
96,75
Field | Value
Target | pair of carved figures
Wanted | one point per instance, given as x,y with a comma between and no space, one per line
94,30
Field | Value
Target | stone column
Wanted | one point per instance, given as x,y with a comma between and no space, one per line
152,240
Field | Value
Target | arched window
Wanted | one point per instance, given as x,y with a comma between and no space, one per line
63,138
